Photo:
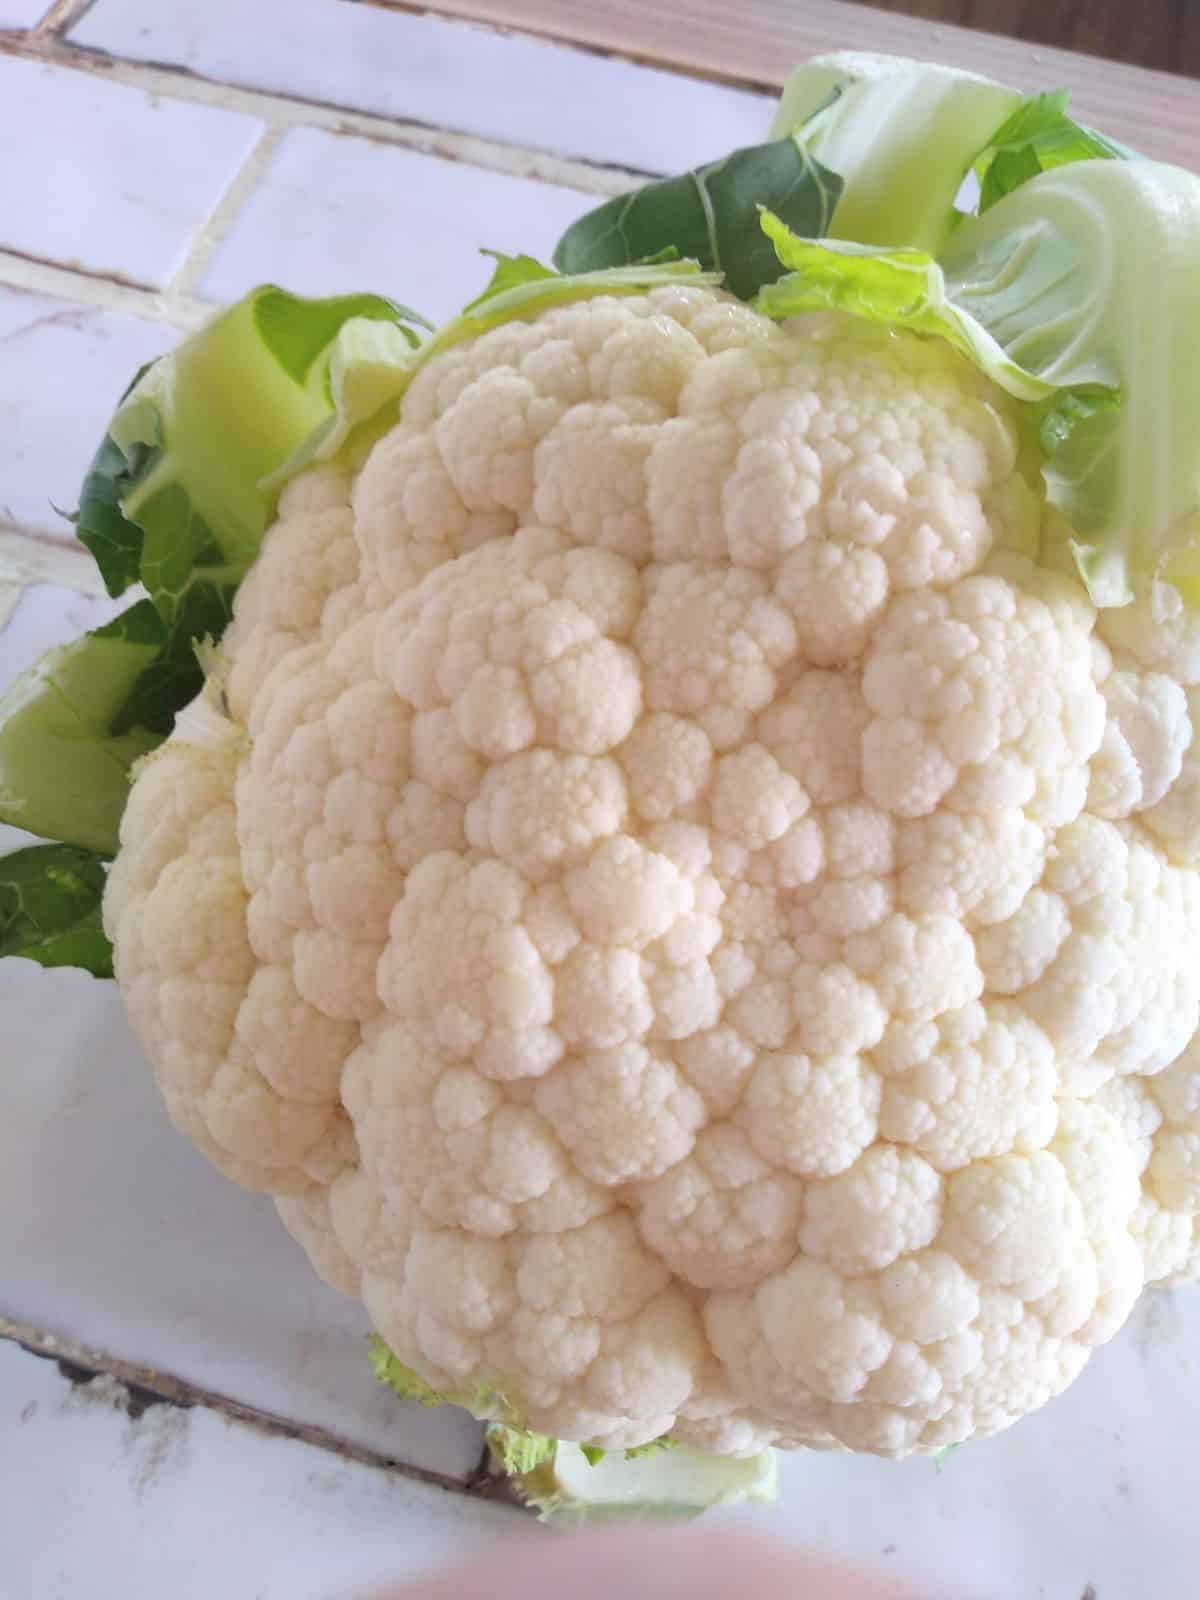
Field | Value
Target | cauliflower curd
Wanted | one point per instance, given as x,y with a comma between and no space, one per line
687,919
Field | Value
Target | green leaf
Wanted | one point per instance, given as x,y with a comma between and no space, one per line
510,273
50,908
901,134
1036,138
401,1380
1089,276
517,1451
592,1454
530,293
708,215
299,338
898,288
1071,415
114,541
482,1401
66,738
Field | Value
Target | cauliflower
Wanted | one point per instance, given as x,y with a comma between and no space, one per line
681,876
677,915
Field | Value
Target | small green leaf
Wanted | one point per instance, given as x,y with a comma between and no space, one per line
709,215
1038,136
510,272
298,338
896,288
114,541
592,1454
67,735
401,1380
50,898
1067,414
517,1450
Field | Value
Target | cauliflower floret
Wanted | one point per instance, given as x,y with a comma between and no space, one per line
689,926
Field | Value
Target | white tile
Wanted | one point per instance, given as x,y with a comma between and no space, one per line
185,1503
48,615
448,74
1089,1491
63,369
109,179
401,224
22,13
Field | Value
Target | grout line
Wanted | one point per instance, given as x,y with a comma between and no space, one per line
37,276
208,236
177,304
146,1386
62,15
285,111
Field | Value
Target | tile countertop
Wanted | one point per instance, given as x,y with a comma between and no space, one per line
190,153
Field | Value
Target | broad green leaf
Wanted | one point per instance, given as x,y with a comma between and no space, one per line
50,898
1037,137
902,135
709,215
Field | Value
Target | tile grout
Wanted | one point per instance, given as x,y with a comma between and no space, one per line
293,110
35,275
280,113
144,1386
208,235
62,14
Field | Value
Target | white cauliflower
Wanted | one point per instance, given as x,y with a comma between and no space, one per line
689,922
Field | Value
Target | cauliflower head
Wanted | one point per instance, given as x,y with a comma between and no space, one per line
687,919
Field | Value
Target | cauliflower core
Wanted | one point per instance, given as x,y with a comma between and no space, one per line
690,924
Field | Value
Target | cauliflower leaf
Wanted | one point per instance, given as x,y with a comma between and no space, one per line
708,214
50,908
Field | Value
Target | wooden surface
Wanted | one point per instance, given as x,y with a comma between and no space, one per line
1141,33
758,41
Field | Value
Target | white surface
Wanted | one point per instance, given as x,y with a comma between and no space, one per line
186,1504
427,69
62,370
111,180
46,615
401,224
22,13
